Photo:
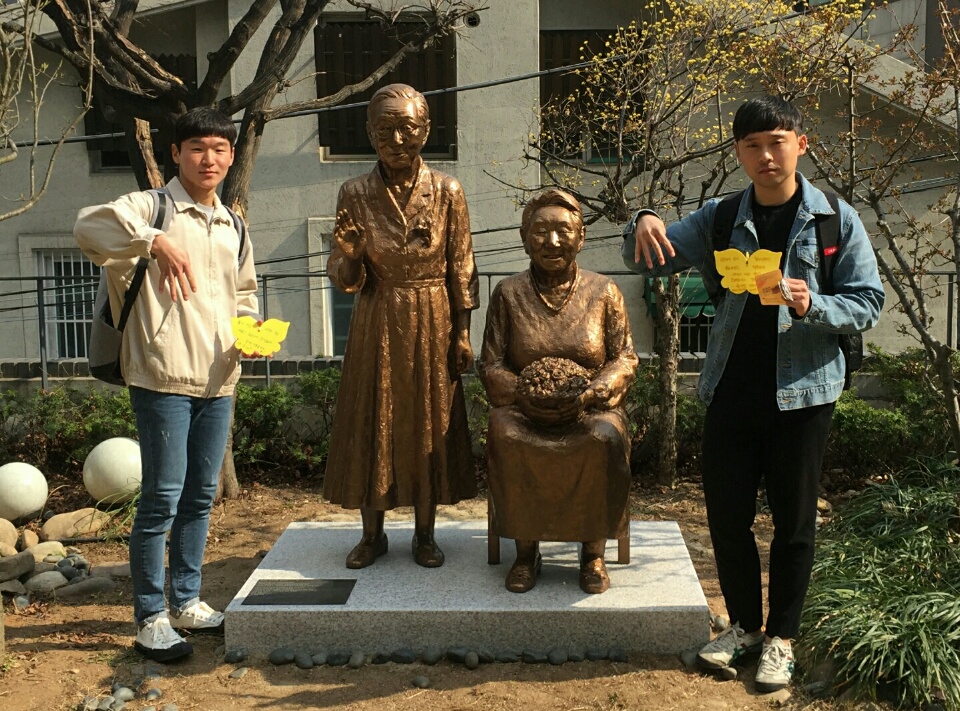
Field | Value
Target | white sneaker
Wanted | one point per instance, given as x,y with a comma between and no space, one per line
198,617
157,641
728,647
776,666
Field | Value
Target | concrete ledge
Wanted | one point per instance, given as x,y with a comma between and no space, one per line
655,604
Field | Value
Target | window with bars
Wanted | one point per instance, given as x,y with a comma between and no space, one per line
111,153
68,300
348,51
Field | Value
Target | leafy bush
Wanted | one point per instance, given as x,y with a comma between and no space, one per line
55,429
912,387
865,440
281,427
643,410
883,600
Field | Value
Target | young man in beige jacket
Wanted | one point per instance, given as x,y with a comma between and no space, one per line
180,362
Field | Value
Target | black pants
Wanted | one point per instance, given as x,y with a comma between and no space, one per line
741,445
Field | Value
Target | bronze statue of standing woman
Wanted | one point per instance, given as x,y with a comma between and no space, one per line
402,244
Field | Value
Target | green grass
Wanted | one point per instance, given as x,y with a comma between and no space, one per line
884,602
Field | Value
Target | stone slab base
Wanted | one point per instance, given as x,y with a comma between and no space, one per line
654,605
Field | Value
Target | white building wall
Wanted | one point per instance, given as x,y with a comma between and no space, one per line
293,196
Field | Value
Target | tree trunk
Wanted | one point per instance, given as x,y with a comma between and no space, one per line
667,347
227,485
944,367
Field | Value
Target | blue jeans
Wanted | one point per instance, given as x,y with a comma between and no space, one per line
182,443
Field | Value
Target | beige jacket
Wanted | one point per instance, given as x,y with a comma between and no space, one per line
179,347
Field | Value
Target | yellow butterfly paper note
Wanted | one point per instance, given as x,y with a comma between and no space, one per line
740,271
264,339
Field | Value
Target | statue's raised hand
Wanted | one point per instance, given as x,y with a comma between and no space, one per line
349,236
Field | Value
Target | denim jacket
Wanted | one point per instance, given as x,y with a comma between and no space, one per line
810,367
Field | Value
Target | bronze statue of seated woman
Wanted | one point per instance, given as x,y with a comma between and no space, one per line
557,362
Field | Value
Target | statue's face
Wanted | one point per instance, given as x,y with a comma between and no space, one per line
554,239
398,133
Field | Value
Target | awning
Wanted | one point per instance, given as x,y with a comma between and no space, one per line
694,300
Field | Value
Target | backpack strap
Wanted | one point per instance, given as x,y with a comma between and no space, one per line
828,239
724,219
160,218
241,227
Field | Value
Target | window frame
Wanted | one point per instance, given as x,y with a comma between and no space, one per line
443,107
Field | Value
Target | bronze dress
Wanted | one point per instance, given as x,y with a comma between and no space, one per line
567,482
400,434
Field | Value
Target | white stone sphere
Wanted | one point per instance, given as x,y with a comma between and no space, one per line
111,472
23,490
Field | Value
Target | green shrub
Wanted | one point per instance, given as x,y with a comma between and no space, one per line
883,602
914,391
643,410
55,429
865,440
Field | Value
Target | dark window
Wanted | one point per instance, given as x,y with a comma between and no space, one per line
112,152
347,52
342,307
572,134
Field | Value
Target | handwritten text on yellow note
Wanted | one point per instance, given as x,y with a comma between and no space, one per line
740,271
264,339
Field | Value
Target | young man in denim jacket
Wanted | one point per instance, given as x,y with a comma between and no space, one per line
771,378
181,364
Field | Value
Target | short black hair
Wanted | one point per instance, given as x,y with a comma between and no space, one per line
204,121
766,113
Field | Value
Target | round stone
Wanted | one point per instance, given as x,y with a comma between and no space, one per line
557,656
303,660
111,472
595,654
281,655
235,656
124,693
356,660
89,703
23,491
471,660
533,656
153,694
21,602
106,703
457,654
507,657
404,655
432,655
239,673
575,655
337,659
421,682
319,658
380,658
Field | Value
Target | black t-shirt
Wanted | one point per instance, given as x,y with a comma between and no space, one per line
751,370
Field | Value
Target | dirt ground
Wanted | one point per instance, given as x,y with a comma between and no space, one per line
59,653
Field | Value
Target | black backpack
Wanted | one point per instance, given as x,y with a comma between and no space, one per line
828,241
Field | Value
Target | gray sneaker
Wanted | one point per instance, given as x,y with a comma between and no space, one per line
776,666
729,646
199,617
156,640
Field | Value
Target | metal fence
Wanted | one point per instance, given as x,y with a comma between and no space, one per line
63,306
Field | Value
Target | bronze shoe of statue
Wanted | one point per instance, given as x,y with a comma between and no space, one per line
367,551
523,574
593,576
426,552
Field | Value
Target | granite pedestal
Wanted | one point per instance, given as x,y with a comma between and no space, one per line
654,605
